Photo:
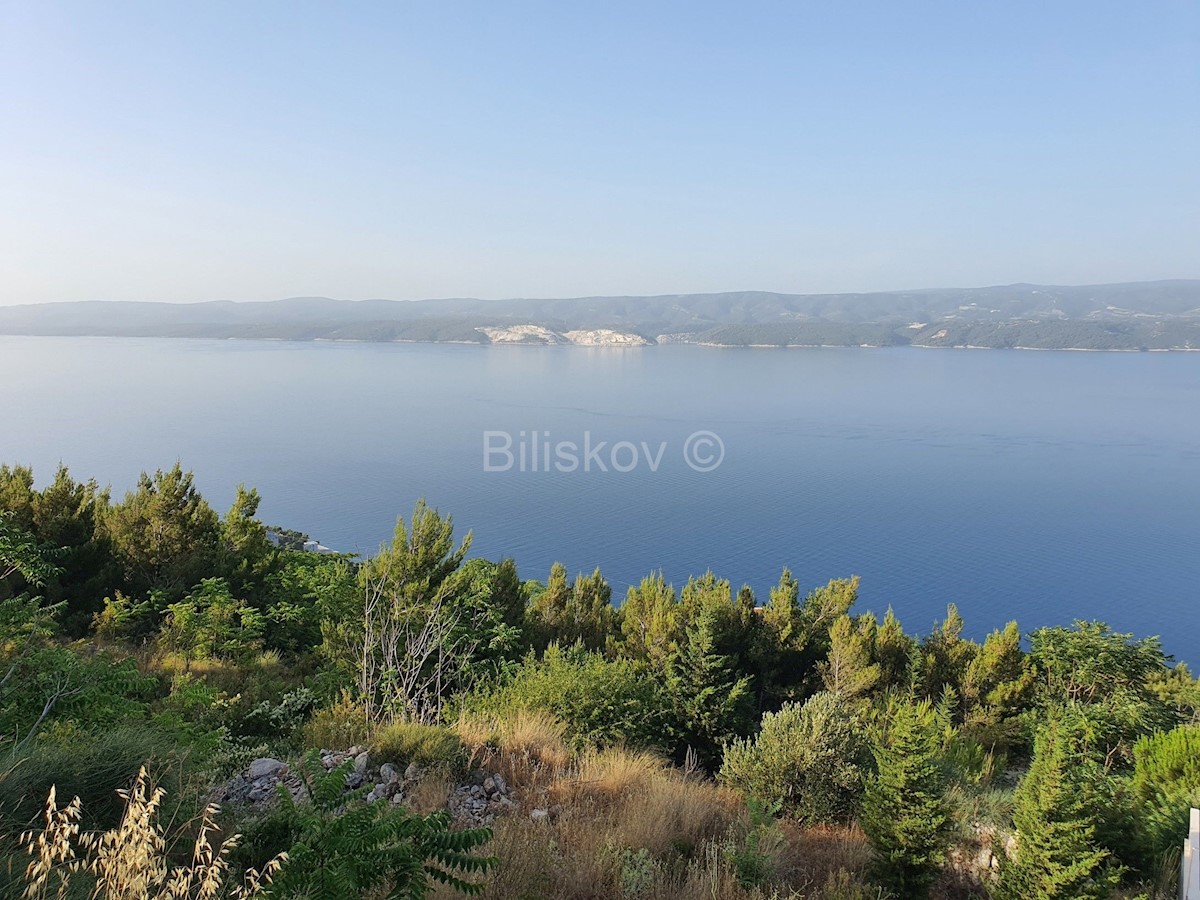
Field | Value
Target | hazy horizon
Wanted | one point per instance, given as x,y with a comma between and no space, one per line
250,153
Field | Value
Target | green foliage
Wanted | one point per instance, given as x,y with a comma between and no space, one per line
411,742
1178,689
211,624
20,555
904,814
712,701
43,682
750,858
566,613
164,534
997,688
1056,814
601,701
1107,678
1165,785
847,669
341,846
946,656
808,760
651,621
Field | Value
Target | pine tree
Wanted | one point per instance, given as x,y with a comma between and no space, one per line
904,814
713,703
848,670
1056,813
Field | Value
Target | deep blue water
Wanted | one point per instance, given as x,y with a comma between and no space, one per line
1042,486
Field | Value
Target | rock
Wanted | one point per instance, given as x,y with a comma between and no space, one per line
540,815
355,750
361,761
397,799
489,786
389,773
263,767
413,772
501,784
355,780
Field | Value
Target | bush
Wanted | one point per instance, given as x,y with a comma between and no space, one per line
411,742
808,760
600,701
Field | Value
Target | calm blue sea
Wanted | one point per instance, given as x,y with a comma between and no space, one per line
1042,486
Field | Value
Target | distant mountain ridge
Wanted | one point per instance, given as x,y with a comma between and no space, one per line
1129,316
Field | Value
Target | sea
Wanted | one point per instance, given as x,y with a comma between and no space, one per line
1038,486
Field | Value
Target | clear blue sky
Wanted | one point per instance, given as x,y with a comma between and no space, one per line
255,150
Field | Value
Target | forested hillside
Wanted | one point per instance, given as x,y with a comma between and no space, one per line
1133,316
426,723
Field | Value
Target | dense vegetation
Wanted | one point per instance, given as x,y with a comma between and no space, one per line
699,742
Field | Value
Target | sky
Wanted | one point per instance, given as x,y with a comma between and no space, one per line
257,150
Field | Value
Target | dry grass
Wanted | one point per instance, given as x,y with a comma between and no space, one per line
627,826
131,861
430,793
528,747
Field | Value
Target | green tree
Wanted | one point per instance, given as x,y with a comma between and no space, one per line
651,623
848,670
713,701
62,520
1164,786
164,534
997,688
1105,676
566,613
904,814
210,623
1056,814
946,655
420,627
247,556
893,649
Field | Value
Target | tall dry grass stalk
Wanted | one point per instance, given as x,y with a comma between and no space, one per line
130,862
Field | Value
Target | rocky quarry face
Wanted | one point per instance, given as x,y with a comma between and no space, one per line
474,803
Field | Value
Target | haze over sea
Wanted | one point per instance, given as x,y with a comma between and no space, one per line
1041,486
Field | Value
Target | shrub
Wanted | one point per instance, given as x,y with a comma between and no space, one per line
808,760
412,742
600,701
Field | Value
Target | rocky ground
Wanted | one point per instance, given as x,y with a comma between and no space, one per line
475,802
